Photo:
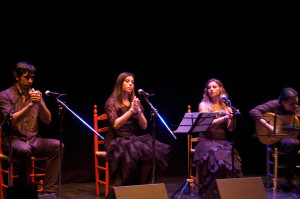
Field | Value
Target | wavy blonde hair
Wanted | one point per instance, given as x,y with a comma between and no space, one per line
206,98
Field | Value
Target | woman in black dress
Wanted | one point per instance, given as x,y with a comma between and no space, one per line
129,148
213,151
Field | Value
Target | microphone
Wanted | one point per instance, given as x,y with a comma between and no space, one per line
226,100
141,92
49,93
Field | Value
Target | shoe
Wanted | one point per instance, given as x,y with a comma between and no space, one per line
48,193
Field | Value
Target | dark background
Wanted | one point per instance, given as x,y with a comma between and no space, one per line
172,47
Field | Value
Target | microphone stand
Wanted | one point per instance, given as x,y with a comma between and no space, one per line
155,113
8,119
62,109
86,124
61,113
235,112
153,118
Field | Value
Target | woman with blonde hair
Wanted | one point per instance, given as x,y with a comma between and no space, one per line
213,151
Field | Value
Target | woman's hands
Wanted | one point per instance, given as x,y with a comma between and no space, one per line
228,116
135,105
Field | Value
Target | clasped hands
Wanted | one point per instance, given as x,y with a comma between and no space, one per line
35,96
135,105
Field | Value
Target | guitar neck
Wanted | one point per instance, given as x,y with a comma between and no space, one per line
290,128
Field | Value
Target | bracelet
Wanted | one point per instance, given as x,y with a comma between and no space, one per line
139,112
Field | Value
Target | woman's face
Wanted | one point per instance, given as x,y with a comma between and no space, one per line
213,89
128,84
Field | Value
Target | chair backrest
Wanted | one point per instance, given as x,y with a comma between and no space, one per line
97,118
100,153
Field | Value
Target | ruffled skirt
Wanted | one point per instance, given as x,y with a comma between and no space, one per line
125,156
214,158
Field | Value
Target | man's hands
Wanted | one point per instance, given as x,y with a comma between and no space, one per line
35,96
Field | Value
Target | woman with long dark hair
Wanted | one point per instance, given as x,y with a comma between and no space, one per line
128,146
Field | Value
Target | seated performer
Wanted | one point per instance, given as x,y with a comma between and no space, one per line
286,104
129,150
29,110
213,152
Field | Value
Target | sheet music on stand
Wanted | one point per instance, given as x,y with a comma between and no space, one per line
195,122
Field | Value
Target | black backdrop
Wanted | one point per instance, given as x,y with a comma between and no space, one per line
172,47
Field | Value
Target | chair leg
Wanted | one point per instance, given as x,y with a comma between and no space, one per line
97,182
32,171
106,183
1,183
107,179
9,176
197,179
275,170
268,169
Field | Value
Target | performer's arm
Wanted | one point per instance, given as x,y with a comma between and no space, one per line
141,117
203,108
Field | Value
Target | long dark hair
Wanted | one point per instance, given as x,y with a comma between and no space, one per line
117,91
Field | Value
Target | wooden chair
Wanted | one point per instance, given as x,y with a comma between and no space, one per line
36,176
193,170
273,165
101,165
273,153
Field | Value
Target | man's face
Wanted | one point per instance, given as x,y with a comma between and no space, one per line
25,81
291,104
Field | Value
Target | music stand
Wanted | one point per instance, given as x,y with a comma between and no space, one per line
194,122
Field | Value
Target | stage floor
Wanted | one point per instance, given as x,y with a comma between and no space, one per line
87,190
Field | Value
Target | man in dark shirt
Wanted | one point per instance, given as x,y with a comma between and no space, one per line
287,104
29,109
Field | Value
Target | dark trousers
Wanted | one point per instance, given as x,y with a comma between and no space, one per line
40,147
290,146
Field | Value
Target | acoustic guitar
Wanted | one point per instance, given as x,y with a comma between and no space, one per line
287,126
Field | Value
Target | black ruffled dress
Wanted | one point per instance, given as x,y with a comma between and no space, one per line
126,148
213,155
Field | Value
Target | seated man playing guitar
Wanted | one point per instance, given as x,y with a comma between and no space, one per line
283,111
